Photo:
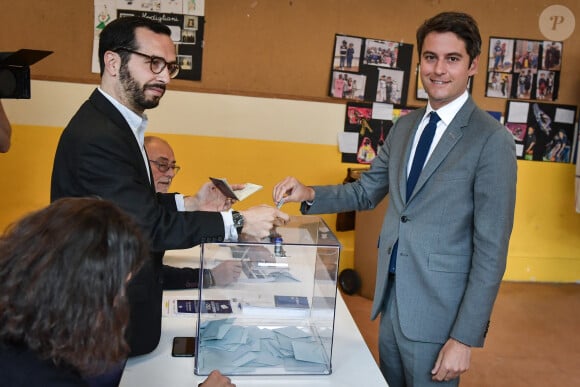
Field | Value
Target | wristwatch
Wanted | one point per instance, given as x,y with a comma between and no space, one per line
207,278
238,221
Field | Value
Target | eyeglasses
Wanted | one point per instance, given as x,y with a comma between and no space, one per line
156,63
164,167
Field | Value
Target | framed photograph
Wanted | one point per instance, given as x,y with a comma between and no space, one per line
185,62
347,51
348,85
381,53
188,36
498,85
371,70
552,56
389,86
501,55
190,22
526,56
542,131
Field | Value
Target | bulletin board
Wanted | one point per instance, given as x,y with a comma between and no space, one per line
276,49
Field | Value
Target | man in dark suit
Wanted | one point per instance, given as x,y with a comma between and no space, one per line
443,245
100,153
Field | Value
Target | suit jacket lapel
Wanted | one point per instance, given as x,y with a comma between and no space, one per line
451,136
405,159
111,112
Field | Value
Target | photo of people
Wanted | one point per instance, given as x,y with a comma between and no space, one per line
190,22
545,85
501,52
188,36
363,69
498,85
389,86
526,56
534,73
348,86
543,132
552,56
381,53
524,84
185,62
347,53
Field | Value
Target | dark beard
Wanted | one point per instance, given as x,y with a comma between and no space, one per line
135,93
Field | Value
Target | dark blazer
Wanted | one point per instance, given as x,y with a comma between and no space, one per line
453,232
98,155
20,367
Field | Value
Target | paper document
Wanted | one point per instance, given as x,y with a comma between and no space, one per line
239,194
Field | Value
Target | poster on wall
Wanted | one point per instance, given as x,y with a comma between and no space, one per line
366,126
523,69
365,69
542,131
185,19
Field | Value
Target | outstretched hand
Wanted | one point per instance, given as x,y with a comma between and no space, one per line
291,190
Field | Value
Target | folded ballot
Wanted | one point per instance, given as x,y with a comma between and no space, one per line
228,191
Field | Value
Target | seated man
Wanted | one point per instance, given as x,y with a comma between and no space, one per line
164,168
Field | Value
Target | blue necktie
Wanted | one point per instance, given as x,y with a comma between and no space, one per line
418,162
421,152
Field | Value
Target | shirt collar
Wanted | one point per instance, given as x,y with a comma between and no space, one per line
448,112
137,123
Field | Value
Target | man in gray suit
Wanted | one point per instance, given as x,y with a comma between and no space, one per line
444,242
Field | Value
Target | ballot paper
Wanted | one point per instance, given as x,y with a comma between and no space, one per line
240,194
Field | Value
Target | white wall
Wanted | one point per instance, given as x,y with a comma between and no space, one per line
54,103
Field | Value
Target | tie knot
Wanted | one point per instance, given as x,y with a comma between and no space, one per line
434,118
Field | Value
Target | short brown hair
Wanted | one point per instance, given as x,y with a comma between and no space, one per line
461,24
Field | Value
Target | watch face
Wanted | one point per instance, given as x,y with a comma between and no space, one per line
238,219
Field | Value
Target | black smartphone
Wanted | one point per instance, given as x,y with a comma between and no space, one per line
183,346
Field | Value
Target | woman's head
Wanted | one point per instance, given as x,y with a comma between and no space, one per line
63,272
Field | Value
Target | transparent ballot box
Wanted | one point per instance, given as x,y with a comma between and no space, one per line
278,317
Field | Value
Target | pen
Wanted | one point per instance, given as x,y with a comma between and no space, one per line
280,203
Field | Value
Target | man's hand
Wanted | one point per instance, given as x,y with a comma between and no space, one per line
216,379
227,272
453,360
291,190
208,198
259,220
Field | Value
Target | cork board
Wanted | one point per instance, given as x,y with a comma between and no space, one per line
276,48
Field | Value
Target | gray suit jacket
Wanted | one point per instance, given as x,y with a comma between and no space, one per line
453,232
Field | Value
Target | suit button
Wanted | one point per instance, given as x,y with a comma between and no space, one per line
404,219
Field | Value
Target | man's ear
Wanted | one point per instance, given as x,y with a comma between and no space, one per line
474,66
112,63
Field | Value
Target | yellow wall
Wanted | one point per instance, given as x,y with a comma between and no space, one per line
545,244
28,165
